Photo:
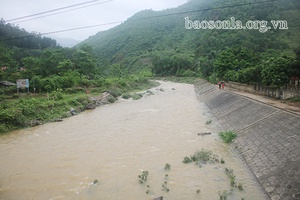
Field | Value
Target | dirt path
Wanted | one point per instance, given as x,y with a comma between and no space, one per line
281,104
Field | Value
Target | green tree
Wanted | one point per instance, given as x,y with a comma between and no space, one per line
35,82
236,64
31,63
277,71
7,57
295,68
65,65
49,61
172,63
84,60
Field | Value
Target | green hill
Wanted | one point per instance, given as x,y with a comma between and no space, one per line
161,41
173,42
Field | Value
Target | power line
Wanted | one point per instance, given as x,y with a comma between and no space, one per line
54,10
84,27
63,12
60,31
157,16
143,18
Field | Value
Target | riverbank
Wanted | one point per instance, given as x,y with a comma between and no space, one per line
268,136
32,110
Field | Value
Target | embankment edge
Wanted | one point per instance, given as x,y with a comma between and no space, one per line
268,138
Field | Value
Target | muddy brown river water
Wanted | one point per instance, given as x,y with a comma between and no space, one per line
111,145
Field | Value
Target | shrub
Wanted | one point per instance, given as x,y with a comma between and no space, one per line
231,176
9,90
136,96
15,96
187,160
4,128
111,99
167,166
3,97
202,157
294,99
126,96
83,99
115,92
86,82
143,177
56,95
70,91
228,136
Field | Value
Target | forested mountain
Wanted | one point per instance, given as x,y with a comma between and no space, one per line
16,44
169,44
14,36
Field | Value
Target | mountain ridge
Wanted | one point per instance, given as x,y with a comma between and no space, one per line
149,31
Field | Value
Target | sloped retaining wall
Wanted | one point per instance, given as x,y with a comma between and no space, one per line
268,138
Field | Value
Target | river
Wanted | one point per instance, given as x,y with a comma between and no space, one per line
99,154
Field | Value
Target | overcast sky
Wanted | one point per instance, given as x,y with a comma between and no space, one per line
111,11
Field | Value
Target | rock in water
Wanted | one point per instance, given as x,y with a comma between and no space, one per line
35,122
90,106
73,111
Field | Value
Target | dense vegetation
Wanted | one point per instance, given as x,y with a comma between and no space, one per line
160,41
14,36
58,77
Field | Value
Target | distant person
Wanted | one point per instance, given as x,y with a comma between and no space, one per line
223,85
219,83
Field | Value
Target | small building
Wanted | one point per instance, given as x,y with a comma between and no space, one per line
6,83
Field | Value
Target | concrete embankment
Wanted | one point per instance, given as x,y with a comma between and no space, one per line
268,138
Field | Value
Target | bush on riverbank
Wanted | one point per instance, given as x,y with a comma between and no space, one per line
228,136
